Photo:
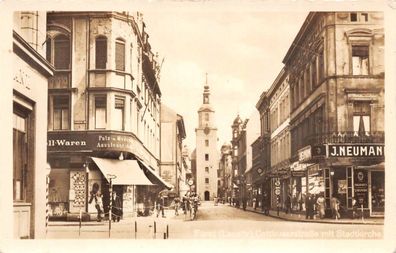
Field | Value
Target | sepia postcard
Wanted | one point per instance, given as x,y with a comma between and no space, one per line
198,125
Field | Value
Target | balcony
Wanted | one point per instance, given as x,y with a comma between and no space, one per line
346,137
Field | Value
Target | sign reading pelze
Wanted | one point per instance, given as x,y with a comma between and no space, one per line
358,150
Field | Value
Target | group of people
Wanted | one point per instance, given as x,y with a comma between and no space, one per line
318,204
116,204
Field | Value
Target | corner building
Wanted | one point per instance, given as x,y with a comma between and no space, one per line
336,75
103,103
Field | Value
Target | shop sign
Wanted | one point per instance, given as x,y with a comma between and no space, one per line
304,154
318,151
298,173
277,186
82,140
361,187
361,150
313,169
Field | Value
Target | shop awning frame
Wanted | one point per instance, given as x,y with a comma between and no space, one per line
122,172
153,176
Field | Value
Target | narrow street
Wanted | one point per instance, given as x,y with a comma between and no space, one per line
214,222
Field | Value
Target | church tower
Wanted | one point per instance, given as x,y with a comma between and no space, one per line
207,157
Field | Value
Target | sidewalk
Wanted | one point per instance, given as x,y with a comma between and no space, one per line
300,217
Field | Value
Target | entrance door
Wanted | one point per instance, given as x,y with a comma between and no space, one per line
207,195
377,192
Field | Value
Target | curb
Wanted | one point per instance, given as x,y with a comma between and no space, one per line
318,221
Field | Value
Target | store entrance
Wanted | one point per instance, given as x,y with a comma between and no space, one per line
339,185
377,192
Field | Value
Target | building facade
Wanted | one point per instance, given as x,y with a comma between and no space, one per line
283,183
173,133
103,102
225,172
239,159
206,153
336,75
30,79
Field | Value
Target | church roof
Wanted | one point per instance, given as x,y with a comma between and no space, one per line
237,120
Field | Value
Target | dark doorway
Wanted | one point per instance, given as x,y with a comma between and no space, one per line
207,195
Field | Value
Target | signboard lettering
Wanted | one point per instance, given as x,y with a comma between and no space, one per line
356,150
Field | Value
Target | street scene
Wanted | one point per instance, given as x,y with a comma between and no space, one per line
150,125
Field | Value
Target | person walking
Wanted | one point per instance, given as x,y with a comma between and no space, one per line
335,207
177,205
309,204
321,203
116,209
288,204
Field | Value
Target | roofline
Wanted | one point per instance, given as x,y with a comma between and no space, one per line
299,36
278,80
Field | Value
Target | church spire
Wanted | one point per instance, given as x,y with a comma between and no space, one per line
206,91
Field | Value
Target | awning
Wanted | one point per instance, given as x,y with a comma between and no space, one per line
125,172
153,176
380,166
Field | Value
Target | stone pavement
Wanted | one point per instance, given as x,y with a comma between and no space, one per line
300,217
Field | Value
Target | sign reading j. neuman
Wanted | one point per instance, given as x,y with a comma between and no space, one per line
356,150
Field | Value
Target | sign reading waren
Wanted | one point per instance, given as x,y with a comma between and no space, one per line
356,150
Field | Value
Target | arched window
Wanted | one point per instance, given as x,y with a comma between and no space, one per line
120,55
100,52
62,52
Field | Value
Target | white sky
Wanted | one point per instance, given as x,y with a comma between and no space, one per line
241,51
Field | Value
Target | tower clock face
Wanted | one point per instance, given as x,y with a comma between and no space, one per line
206,130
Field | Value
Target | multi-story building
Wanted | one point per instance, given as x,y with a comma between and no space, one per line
239,158
279,110
30,72
261,154
225,172
206,154
173,133
336,74
103,112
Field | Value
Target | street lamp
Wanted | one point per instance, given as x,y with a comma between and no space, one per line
110,177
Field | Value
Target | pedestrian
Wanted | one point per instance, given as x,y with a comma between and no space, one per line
321,206
254,204
97,196
266,203
288,204
244,202
354,208
160,206
177,205
335,207
309,206
116,208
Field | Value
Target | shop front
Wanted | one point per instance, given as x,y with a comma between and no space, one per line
352,173
81,163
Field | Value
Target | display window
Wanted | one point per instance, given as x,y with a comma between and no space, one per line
377,191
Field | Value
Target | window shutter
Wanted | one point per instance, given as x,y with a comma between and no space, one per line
120,56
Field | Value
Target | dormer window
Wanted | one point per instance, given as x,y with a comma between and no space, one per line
359,17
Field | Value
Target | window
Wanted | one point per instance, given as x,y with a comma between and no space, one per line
307,82
354,17
206,180
61,113
364,17
101,52
207,143
206,157
119,114
361,117
62,52
360,60
100,112
207,116
20,149
207,169
321,66
313,74
120,55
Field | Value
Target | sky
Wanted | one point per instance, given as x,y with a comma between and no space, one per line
241,51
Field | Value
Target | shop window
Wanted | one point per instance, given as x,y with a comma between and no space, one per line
61,113
361,118
100,52
207,169
100,112
119,114
206,180
20,149
120,55
360,60
206,157
62,52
